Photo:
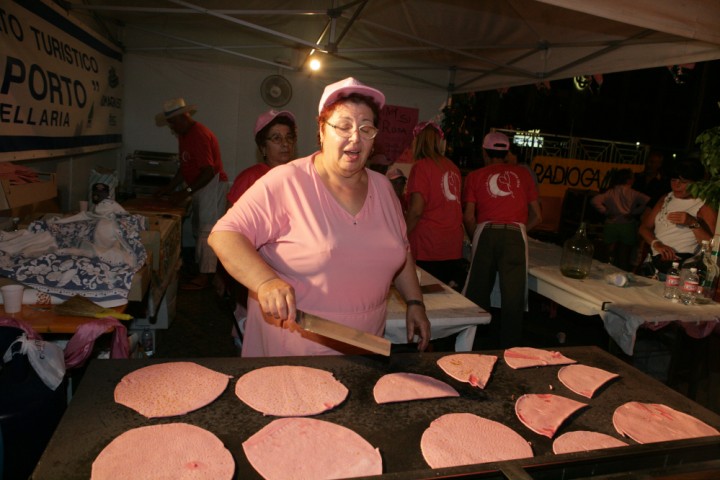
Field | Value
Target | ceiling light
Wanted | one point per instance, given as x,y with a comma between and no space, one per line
315,64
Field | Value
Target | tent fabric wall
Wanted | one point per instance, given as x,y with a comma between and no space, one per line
228,100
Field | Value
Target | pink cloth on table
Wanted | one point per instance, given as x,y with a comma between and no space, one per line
22,325
81,344
340,265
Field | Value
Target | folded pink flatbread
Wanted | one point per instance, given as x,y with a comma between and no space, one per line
168,389
302,448
290,391
473,368
172,450
466,439
403,387
584,441
584,380
655,422
544,413
526,357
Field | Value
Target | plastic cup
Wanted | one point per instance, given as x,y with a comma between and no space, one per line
83,205
12,297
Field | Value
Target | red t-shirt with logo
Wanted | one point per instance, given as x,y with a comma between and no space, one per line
438,234
501,193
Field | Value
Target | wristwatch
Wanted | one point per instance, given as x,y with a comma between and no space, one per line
188,190
694,225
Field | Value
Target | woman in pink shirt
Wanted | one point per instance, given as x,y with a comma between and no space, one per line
322,234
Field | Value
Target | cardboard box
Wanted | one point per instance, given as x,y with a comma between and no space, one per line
13,196
163,311
162,240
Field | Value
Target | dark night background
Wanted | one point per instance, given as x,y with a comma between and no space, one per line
646,106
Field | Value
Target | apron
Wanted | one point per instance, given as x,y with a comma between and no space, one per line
495,297
208,205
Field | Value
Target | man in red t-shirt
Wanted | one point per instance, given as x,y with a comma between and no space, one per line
501,203
201,171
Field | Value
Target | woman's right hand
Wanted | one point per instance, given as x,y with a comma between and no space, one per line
277,300
665,252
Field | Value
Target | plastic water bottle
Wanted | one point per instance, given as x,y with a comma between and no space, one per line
688,291
672,282
148,342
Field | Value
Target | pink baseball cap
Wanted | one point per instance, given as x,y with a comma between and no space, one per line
496,141
345,87
268,117
423,125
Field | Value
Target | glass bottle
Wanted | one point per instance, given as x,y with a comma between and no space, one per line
709,282
577,255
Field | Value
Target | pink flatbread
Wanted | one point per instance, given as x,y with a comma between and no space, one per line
168,389
544,413
290,391
526,357
466,439
654,422
584,380
172,450
302,448
473,368
584,441
403,387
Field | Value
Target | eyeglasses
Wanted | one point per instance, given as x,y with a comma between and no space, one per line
278,139
345,130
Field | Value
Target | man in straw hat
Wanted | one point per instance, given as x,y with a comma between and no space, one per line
203,178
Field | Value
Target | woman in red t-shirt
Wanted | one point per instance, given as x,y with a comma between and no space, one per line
434,217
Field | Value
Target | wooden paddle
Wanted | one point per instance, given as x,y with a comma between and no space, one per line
80,306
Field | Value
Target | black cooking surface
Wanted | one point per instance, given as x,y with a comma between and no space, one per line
93,419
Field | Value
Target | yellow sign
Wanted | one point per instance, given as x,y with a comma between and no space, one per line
557,174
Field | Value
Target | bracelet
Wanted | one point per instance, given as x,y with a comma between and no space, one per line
419,303
695,225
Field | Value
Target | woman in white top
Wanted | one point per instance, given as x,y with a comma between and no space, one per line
678,222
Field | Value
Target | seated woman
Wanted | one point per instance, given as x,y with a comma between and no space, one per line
678,222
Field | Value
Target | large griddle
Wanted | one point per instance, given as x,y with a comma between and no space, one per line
93,419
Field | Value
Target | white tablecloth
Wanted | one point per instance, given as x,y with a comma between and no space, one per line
448,312
622,309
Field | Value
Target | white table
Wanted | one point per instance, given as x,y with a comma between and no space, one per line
622,309
448,311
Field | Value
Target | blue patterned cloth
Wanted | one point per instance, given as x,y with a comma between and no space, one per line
74,265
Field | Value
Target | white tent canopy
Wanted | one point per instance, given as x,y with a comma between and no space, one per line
452,45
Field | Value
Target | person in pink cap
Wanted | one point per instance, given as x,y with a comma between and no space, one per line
323,235
501,204
202,177
275,136
434,216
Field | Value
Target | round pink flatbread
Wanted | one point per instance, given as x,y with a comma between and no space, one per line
472,368
544,413
584,380
466,439
174,450
526,357
290,391
655,422
584,441
403,387
168,389
302,448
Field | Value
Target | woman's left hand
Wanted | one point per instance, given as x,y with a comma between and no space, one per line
418,324
681,218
